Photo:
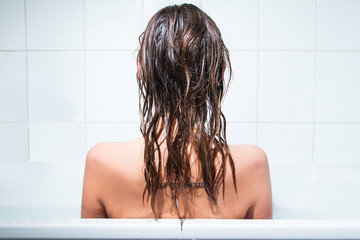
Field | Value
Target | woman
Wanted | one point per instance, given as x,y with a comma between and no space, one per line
182,167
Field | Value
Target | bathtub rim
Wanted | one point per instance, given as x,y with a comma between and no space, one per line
170,228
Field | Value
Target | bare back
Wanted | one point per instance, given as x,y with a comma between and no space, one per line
114,184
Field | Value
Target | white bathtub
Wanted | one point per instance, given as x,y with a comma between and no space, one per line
170,229
311,201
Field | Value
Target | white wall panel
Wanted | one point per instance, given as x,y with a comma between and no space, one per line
13,87
237,21
337,96
338,25
286,142
241,133
240,101
337,142
287,24
57,142
56,86
112,24
286,82
111,132
111,87
12,25
54,24
13,142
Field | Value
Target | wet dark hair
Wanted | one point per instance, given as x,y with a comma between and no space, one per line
181,63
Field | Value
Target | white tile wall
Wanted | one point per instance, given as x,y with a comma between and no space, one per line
54,24
13,142
338,25
107,24
337,142
111,132
67,79
268,86
41,186
240,100
57,142
287,24
286,82
12,24
241,133
286,142
13,95
56,86
337,87
237,21
111,87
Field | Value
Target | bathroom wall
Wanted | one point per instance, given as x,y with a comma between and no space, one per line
67,82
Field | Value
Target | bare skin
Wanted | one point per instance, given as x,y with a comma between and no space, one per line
114,184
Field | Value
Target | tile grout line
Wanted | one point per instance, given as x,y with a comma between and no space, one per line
70,50
131,50
232,122
84,79
77,122
314,82
27,84
257,74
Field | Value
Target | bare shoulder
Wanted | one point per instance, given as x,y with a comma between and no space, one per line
107,154
251,162
249,156
106,164
253,178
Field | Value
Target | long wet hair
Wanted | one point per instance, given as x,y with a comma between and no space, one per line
181,63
